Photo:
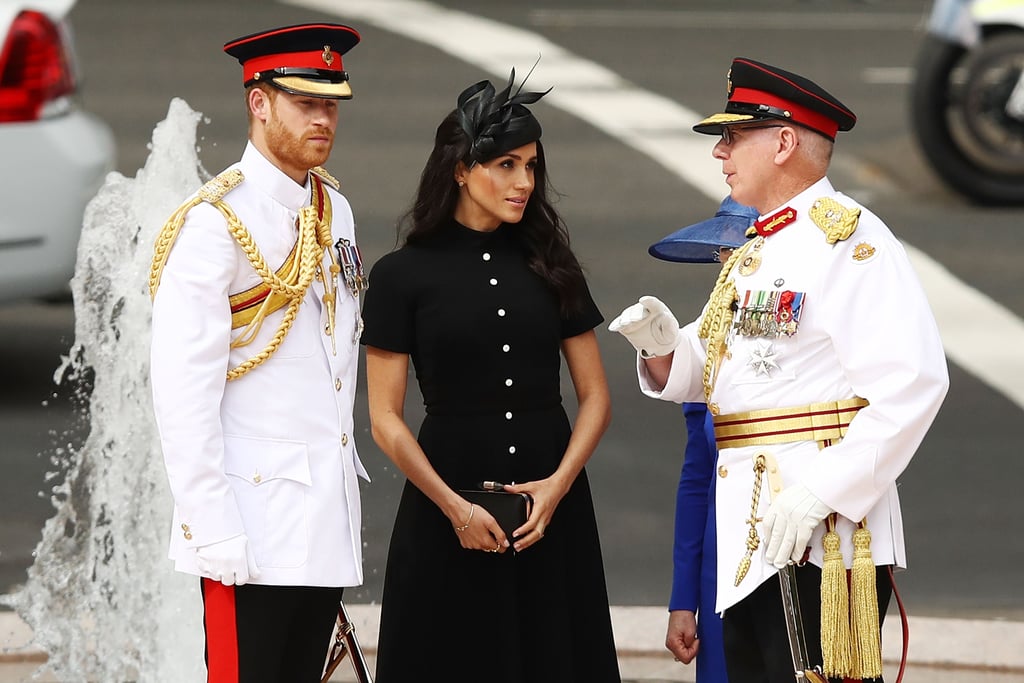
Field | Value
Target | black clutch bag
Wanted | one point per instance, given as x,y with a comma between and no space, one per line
510,510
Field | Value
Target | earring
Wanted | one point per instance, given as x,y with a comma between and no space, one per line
462,183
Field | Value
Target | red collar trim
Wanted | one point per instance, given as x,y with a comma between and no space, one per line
777,221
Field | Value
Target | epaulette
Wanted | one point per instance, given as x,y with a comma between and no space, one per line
326,177
215,189
212,192
834,219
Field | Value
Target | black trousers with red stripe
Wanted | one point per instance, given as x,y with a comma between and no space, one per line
754,629
267,634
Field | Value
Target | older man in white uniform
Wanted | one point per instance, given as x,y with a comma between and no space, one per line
819,357
256,283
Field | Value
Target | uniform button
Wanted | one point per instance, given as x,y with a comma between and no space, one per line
337,384
505,348
511,450
501,312
723,471
187,532
344,439
508,415
508,382
494,280
257,478
487,257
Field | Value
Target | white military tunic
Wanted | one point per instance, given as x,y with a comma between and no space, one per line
271,454
865,330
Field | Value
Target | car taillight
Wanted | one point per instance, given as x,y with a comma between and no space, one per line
35,67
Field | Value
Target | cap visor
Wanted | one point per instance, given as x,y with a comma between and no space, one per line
712,125
305,86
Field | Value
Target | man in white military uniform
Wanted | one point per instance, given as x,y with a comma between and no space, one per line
821,362
256,283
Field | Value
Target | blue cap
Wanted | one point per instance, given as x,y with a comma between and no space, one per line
698,243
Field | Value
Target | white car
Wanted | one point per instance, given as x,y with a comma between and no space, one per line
53,156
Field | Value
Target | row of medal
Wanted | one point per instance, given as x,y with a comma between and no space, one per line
351,260
769,313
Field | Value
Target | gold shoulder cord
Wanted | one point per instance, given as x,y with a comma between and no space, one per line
325,176
834,219
291,284
717,320
212,192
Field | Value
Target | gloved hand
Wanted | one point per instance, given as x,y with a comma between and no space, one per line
792,518
231,562
649,326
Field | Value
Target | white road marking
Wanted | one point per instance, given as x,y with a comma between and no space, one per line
660,128
778,20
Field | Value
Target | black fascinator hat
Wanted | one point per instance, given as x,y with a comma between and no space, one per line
497,122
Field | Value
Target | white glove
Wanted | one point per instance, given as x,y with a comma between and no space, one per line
792,518
649,326
231,562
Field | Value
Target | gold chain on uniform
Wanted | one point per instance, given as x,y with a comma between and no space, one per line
753,541
717,320
292,286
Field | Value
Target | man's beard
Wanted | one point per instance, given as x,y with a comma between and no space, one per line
292,149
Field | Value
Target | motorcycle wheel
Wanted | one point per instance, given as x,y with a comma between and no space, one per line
959,117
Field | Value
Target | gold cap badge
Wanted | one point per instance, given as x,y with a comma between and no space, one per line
327,56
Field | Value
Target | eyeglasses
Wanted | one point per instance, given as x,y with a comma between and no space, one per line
728,134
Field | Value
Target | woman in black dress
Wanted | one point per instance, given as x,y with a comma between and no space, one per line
485,296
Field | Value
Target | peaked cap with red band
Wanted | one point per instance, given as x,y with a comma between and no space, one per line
759,92
304,59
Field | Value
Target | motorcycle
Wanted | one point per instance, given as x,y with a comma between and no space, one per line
967,98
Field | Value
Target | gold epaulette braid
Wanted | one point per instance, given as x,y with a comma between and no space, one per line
834,219
213,192
292,286
326,176
715,324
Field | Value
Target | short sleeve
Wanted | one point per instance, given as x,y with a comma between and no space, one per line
388,307
585,318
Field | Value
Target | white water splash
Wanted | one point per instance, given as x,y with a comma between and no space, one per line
102,598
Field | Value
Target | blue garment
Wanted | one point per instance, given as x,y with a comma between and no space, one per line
694,552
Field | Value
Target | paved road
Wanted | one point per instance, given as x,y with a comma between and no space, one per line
961,519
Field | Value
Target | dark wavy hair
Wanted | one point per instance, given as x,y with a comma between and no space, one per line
541,233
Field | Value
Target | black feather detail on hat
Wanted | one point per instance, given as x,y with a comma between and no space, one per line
497,122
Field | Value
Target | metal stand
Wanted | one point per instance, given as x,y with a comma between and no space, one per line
345,643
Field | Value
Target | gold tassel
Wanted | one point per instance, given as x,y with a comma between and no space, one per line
835,607
867,638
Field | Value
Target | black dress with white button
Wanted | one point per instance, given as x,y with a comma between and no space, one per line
484,333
